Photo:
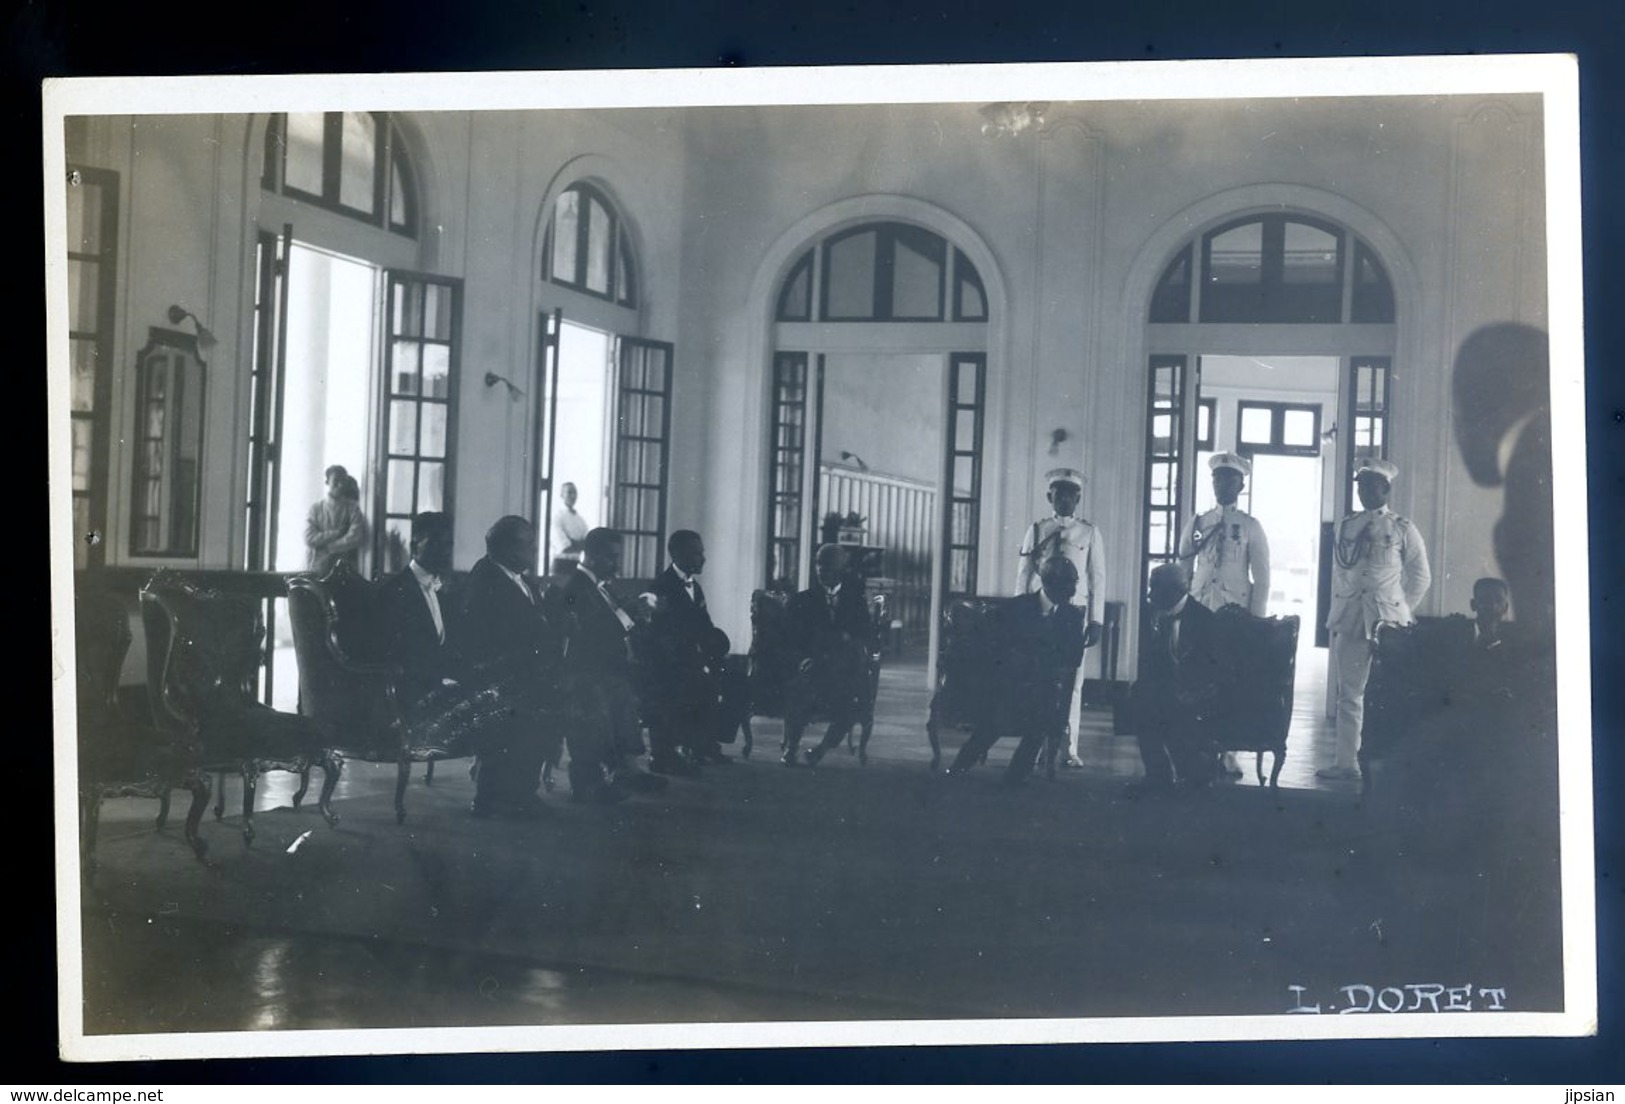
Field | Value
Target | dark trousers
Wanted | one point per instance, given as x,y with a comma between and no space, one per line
1174,744
510,762
1035,725
829,694
693,727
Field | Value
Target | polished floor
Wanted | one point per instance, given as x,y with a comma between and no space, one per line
756,893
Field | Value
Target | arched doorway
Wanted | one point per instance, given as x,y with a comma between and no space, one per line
1273,335
878,417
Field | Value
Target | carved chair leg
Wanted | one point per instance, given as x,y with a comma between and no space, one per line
403,774
163,812
750,738
332,767
428,773
251,785
198,784
304,786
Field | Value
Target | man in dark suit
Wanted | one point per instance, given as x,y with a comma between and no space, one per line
504,635
1182,686
597,680
831,635
1039,639
439,687
412,620
681,663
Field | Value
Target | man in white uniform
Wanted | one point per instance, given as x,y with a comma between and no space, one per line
1379,574
1062,534
1230,552
569,528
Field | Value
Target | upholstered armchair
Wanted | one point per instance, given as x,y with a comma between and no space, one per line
1257,715
1418,673
357,701
773,664
119,755
965,664
203,654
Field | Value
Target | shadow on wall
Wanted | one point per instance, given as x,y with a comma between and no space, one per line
1502,411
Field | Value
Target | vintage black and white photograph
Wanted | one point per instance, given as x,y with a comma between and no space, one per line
819,557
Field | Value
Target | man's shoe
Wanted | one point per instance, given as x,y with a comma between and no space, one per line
1071,762
813,755
789,759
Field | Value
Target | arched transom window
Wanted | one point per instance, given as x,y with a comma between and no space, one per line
587,247
352,162
1275,269
882,272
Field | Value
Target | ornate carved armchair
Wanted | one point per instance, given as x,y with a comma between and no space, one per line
773,665
1262,653
965,666
203,654
121,756
1417,672
356,701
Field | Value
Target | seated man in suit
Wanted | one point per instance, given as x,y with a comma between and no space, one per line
420,635
681,665
1180,688
831,634
1038,638
505,636
597,675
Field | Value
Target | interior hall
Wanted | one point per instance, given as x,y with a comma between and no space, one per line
881,327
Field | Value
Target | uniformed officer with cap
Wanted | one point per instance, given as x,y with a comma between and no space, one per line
1232,556
1379,574
1064,534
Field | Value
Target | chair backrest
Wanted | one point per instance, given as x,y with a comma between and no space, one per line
1261,654
771,657
968,662
334,626
203,648
102,640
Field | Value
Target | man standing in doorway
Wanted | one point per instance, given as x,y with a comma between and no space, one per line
1075,539
1379,574
1231,554
569,528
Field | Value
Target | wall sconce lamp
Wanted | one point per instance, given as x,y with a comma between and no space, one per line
492,379
205,339
1056,437
854,458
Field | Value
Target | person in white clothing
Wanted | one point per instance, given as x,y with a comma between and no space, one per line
1076,539
1379,575
1227,554
1230,551
569,528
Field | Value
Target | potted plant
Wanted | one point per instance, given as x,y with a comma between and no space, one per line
838,528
